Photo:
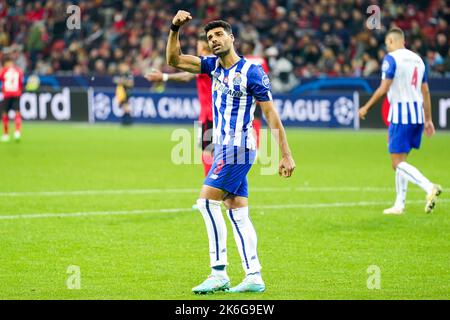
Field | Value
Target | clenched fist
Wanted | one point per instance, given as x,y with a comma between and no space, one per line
154,76
363,112
181,18
286,166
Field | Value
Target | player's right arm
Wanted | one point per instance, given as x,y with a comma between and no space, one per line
388,69
174,56
377,95
429,126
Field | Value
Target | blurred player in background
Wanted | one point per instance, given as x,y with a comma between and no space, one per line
204,92
404,79
124,85
11,77
237,85
248,49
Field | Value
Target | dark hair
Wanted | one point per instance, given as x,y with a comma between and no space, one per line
397,31
218,24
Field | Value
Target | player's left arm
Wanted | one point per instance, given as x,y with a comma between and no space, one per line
429,126
377,95
158,76
287,163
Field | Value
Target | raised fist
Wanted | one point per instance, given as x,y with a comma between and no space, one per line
181,18
154,76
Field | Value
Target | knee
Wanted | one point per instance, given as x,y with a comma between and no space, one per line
228,205
234,203
201,204
395,164
204,204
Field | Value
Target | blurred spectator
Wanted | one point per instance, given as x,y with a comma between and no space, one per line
282,72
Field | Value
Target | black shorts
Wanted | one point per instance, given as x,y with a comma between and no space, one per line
11,103
207,131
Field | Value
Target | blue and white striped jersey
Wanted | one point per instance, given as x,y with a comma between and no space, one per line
234,93
407,72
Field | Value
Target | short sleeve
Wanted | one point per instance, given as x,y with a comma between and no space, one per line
259,84
208,64
425,75
388,67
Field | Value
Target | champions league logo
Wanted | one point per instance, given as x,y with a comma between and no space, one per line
344,110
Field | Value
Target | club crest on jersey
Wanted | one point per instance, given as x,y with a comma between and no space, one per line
216,74
237,79
265,81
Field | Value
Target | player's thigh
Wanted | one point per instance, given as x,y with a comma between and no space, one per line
399,139
3,104
416,136
7,104
14,104
234,202
212,193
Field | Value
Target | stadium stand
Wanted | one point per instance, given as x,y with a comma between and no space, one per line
305,38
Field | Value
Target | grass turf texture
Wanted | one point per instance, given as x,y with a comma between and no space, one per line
307,252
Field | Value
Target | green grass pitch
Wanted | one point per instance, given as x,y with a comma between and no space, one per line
113,189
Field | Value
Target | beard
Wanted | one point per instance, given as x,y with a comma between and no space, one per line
223,53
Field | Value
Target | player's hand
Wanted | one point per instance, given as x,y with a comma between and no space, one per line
286,167
154,76
363,112
181,18
429,128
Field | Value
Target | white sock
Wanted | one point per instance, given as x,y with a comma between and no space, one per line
401,186
413,175
217,232
245,237
219,273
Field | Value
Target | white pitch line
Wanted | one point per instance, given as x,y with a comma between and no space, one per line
176,210
188,190
92,213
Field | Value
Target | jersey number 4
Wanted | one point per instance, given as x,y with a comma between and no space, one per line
414,78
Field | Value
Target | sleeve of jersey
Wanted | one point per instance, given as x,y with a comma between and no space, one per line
388,67
425,75
259,84
207,65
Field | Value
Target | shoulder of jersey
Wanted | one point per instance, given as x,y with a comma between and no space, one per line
253,64
402,52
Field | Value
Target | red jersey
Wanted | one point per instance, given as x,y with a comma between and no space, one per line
385,111
12,81
204,91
